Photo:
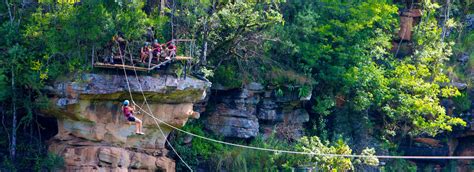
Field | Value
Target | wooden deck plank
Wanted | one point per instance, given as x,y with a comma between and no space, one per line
183,58
119,66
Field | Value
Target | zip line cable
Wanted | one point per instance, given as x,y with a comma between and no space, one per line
284,151
269,149
310,153
159,127
131,98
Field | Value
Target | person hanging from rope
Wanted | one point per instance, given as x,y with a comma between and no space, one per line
128,112
145,52
156,50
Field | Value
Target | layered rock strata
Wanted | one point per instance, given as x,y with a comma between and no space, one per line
246,112
93,135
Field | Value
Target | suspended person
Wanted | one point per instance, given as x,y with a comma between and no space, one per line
128,112
145,52
156,50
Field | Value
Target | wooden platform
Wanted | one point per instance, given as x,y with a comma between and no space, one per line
119,66
183,58
143,69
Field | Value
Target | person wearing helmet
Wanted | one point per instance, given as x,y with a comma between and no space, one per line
164,51
128,113
145,52
171,50
156,50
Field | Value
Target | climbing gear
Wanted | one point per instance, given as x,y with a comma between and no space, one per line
126,102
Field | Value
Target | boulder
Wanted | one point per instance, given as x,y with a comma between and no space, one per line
459,85
254,86
237,127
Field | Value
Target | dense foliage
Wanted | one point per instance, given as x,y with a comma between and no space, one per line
340,52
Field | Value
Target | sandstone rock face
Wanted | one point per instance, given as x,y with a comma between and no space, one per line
93,134
242,113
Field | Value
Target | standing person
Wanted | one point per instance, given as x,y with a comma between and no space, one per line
150,34
119,38
128,112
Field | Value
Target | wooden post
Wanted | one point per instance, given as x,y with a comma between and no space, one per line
184,72
150,55
93,58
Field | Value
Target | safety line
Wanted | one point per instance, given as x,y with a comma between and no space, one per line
131,98
282,151
285,151
312,153
159,127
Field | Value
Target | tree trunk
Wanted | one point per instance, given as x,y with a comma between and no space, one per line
203,60
13,141
9,11
151,6
162,7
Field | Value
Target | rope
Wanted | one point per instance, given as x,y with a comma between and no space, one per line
267,149
145,100
311,153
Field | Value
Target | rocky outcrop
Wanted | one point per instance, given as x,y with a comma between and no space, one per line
242,113
93,135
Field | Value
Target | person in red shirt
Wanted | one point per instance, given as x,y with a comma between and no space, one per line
128,113
156,50
171,50
164,51
144,52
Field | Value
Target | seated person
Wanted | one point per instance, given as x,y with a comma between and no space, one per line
145,52
156,50
171,50
164,51
128,112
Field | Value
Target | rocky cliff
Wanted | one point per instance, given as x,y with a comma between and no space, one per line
246,112
93,135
